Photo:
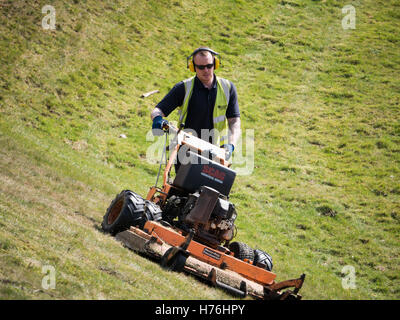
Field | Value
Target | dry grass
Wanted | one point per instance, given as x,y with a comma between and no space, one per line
48,218
323,102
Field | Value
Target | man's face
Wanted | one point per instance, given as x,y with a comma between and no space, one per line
206,75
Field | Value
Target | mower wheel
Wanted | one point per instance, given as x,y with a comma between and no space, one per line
241,251
262,259
152,212
126,210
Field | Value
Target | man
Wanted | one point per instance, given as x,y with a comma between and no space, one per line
208,104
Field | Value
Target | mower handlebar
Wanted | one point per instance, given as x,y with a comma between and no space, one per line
192,141
166,126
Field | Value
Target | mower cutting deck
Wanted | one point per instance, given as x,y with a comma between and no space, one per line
188,224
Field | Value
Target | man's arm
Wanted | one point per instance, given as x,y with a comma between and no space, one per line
156,112
234,130
170,102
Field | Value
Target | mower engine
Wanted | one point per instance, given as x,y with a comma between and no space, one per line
202,200
206,211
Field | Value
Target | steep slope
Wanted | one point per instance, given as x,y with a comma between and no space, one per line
323,102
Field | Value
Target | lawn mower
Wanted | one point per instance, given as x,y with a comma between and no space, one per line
188,224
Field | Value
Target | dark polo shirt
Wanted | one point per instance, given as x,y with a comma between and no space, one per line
201,104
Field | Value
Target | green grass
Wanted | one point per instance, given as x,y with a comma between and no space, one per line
323,102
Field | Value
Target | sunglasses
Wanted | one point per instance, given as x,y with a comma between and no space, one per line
208,66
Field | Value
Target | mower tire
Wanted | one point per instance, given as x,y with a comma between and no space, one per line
241,251
262,259
126,210
152,212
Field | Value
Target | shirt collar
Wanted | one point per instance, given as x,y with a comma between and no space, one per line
214,85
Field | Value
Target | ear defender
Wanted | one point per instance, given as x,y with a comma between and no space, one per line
216,62
190,62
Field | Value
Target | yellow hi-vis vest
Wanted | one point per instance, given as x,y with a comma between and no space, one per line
219,114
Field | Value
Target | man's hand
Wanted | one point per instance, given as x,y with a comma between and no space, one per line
228,150
158,123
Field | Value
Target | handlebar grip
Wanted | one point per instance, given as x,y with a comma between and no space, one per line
166,126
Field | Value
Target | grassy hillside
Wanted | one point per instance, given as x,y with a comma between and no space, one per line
323,101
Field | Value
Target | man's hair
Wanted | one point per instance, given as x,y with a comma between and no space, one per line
203,53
